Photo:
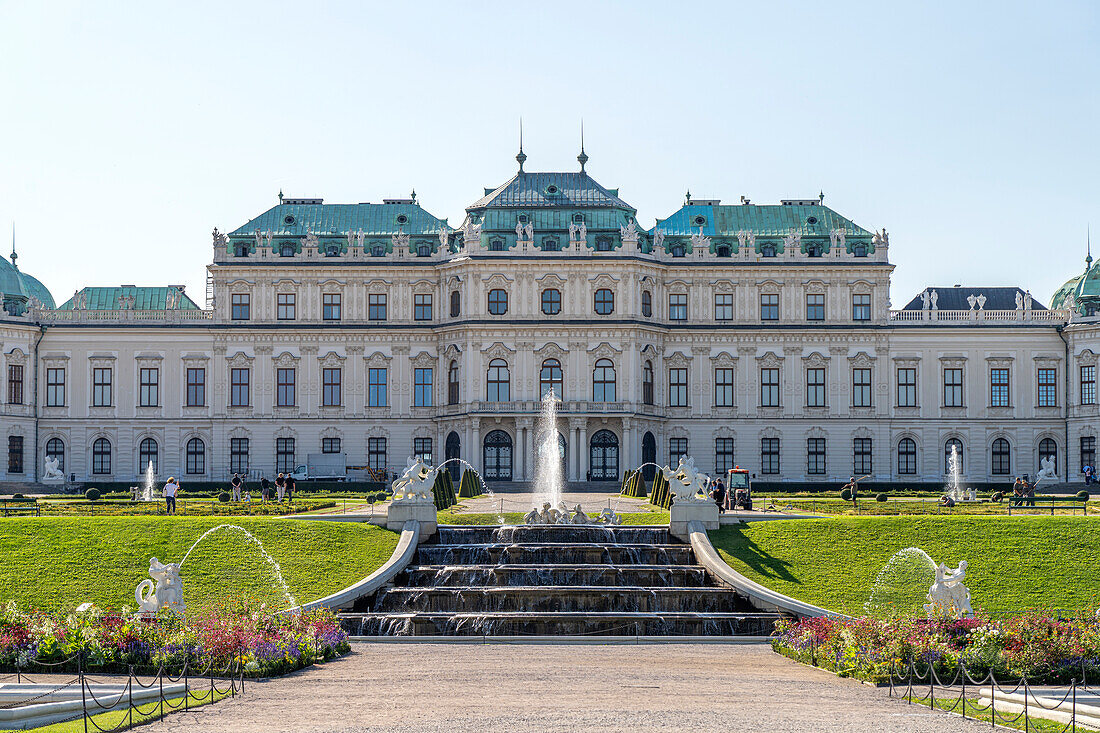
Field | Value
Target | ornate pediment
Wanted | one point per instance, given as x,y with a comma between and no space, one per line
603,280
1086,358
723,432
286,360
910,361
769,360
817,287
286,432
863,432
422,286
452,351
331,432
240,360
550,279
999,361
377,286
862,360
332,360
605,351
770,432
497,280
424,360
649,350
240,432
769,286
723,360
377,360
17,356
722,286
677,359
953,361
377,431
551,350
677,286
498,351
815,360
817,432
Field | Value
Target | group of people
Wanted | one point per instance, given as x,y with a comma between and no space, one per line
1023,491
283,488
1090,474
742,498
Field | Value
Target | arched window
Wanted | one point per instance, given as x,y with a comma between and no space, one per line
498,302
604,302
496,245
603,381
578,218
958,446
452,448
497,382
456,304
148,453
55,448
551,301
604,456
452,384
1048,449
196,456
550,378
286,249
101,456
647,304
649,455
722,250
1001,453
498,456
768,250
647,383
907,456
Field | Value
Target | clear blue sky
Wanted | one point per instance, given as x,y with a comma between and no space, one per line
968,130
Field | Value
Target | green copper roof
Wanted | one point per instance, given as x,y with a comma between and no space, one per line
1084,287
769,220
145,299
18,284
551,190
339,219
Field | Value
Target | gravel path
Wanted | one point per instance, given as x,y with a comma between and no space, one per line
515,688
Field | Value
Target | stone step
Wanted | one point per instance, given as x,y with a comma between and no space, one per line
554,554
653,576
559,599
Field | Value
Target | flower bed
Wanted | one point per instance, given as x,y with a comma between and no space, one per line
1038,646
266,643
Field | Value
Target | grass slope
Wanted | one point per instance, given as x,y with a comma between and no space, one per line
1015,563
60,562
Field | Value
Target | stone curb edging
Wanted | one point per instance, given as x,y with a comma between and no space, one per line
758,595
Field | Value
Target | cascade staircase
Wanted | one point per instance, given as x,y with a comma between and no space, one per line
540,580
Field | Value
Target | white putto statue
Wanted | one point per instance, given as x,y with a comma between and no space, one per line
1046,470
415,484
53,469
164,591
948,596
687,483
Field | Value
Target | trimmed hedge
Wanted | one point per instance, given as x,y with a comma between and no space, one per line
92,494
443,491
660,495
468,485
633,485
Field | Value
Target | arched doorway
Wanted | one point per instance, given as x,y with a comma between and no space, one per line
604,456
649,455
498,456
452,448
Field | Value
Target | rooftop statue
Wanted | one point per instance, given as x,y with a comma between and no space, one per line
881,239
444,237
659,239
629,232
1019,301
700,241
173,298
221,242
935,296
792,242
471,232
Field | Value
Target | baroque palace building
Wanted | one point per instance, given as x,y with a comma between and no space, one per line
757,335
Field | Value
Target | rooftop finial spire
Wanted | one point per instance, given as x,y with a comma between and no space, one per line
14,256
280,195
583,157
521,158
1088,245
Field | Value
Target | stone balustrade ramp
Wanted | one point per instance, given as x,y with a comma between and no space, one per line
560,580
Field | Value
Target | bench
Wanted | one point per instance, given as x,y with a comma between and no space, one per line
13,507
1043,502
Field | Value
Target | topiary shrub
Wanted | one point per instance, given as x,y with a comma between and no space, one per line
997,496
881,497
1083,495
18,496
224,497
846,494
92,494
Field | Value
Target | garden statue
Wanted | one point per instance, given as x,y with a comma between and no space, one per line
1046,470
579,517
415,484
531,517
609,517
687,483
164,591
948,595
53,470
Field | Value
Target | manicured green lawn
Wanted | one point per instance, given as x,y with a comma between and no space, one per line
60,562
1015,563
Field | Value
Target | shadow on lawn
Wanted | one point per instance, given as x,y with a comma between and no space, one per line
732,539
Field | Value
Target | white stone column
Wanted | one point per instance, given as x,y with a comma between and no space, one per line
583,453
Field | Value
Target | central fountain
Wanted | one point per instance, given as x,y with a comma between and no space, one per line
549,483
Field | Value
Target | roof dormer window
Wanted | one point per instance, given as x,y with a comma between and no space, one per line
241,250
814,250
723,250
699,221
522,218
286,249
678,250
377,250
288,219
496,245
578,218
402,219
768,250
423,250
332,250
603,244
860,250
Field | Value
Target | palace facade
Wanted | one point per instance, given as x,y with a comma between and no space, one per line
748,334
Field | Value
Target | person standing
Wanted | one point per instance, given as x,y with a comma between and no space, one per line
235,482
280,486
854,486
170,490
720,496
291,484
265,489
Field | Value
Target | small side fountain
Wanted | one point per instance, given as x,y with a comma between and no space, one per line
165,590
412,498
899,588
149,491
948,596
955,491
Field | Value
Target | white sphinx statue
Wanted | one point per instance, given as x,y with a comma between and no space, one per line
53,469
1046,470
687,483
415,484
948,596
165,590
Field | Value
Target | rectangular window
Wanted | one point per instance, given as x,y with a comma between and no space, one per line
284,455
376,306
769,455
422,449
238,387
284,307
861,456
55,387
196,387
376,454
330,307
1088,385
815,456
769,387
953,387
815,387
678,387
677,307
422,307
677,449
238,455
101,387
15,384
330,445
769,306
998,388
815,307
149,387
723,387
723,455
1048,390
1088,451
285,387
723,307
15,454
241,306
422,387
861,387
376,388
331,387
861,307
907,387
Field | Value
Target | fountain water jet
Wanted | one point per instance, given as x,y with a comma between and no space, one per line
549,483
148,493
901,585
263,551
